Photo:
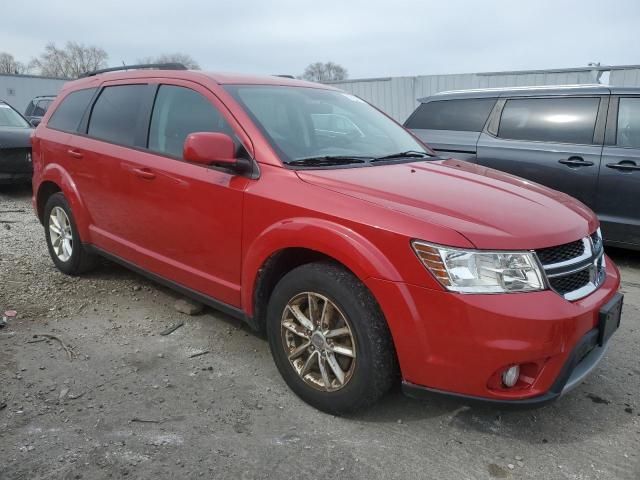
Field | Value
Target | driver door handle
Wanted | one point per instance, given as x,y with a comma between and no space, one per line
75,153
625,166
575,162
145,173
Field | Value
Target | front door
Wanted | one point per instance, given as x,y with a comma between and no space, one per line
618,203
185,220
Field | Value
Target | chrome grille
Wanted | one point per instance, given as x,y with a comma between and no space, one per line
570,283
576,269
559,254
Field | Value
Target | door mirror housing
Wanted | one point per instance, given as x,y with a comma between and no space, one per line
210,148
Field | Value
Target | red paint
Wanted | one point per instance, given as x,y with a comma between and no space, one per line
212,230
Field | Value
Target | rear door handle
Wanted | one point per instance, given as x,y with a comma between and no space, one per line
576,162
75,153
145,173
624,165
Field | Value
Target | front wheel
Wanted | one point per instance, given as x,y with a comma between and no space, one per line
329,339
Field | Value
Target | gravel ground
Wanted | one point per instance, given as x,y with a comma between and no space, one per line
135,404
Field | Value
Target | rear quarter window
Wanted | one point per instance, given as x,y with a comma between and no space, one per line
559,120
68,114
467,115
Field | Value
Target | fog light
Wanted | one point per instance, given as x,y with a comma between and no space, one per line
510,376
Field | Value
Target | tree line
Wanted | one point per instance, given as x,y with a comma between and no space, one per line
75,58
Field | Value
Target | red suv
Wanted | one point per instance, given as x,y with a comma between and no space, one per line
311,215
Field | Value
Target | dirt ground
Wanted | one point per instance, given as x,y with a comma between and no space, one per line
135,404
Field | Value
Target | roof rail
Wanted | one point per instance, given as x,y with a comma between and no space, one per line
285,76
156,66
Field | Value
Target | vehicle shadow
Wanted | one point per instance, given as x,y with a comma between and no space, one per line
19,191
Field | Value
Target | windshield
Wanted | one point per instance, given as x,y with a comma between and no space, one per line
305,124
10,118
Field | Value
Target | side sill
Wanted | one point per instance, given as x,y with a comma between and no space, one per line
186,291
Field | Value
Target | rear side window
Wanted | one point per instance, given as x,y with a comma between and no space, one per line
69,112
467,115
41,108
177,112
560,120
115,114
628,133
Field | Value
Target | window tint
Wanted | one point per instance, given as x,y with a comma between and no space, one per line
115,114
464,115
30,107
41,108
177,112
562,120
69,112
628,134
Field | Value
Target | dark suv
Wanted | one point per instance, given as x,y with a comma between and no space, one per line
37,108
581,140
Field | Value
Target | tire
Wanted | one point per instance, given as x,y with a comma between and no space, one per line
367,376
75,260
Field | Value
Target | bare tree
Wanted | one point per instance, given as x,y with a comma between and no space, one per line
8,64
325,72
183,58
71,61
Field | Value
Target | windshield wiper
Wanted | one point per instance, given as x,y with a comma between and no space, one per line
326,161
407,154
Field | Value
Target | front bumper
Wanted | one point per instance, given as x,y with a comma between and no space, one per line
452,343
8,178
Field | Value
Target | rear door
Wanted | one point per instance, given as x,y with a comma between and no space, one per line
555,141
618,204
451,127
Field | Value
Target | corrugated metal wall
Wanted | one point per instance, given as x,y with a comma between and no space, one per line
629,77
397,95
18,90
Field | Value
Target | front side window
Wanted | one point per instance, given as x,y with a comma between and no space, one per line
69,112
559,120
628,133
115,114
10,118
304,123
466,115
177,112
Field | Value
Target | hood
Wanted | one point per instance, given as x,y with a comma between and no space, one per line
12,137
492,209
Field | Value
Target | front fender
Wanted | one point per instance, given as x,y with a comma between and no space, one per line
337,241
54,173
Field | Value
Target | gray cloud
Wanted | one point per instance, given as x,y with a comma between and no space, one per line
373,38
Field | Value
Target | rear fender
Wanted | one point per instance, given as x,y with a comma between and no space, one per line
56,174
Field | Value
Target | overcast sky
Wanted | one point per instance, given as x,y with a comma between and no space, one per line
370,38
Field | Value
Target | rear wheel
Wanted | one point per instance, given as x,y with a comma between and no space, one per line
329,339
62,236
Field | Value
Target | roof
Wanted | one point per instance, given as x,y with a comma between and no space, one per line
196,76
595,89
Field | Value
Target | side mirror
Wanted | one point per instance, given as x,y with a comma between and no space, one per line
209,148
35,122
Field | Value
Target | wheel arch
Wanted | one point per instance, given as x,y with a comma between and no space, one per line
289,244
55,179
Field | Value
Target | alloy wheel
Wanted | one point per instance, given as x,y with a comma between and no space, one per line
318,341
60,234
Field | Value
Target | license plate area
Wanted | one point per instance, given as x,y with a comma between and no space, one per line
609,318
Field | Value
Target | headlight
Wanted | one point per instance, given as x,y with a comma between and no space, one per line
477,271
